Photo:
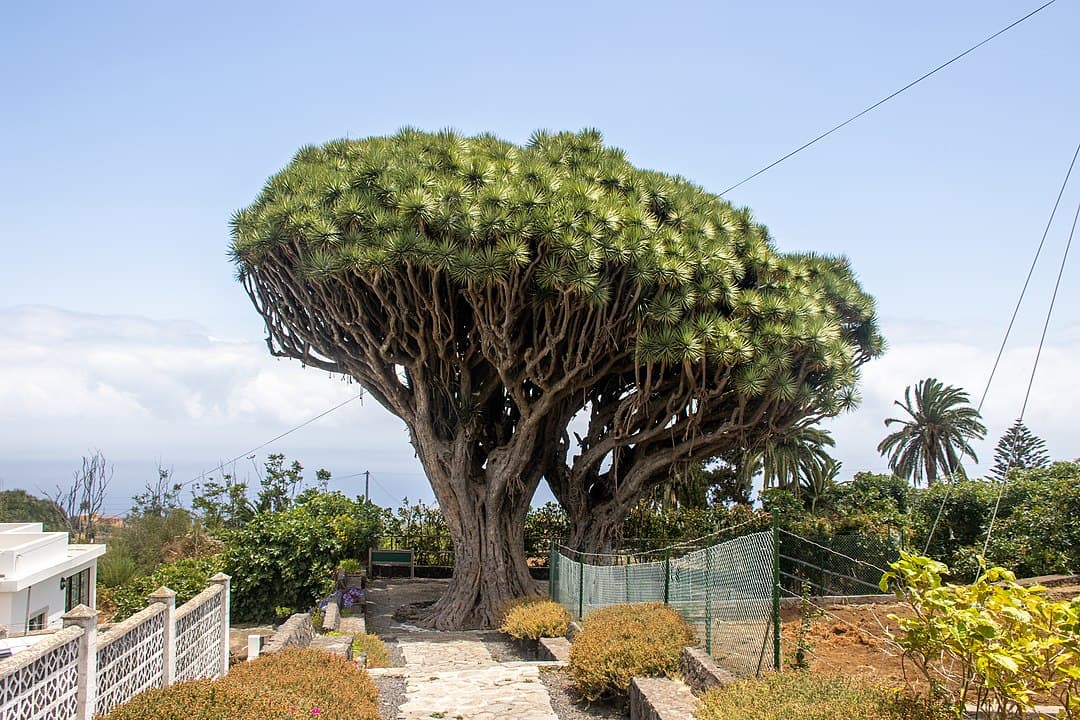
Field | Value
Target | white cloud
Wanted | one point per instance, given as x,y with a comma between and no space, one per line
1050,412
144,390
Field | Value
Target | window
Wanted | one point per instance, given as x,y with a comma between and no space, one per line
37,622
77,589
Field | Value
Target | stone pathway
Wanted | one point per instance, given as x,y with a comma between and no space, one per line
452,676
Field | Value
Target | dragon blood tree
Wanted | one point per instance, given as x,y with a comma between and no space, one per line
498,298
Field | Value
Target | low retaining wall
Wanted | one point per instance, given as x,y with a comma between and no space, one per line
297,631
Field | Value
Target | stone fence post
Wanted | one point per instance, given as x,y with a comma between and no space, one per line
167,597
225,582
85,618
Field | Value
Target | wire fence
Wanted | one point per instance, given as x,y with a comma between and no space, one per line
844,565
729,590
726,591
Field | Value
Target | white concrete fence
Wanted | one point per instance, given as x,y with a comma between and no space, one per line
79,672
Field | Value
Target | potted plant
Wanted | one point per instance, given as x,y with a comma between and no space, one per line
350,574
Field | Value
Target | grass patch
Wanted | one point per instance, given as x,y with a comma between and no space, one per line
810,696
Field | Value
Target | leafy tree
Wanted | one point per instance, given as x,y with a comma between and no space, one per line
21,506
1018,448
223,504
940,425
161,496
491,295
885,495
287,558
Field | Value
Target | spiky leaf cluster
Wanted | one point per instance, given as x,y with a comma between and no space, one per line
580,226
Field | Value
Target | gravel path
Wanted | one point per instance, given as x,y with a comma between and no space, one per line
565,705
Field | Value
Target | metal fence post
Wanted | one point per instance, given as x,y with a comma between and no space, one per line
708,600
776,590
553,565
667,574
581,588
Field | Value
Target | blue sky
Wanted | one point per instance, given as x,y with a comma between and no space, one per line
131,131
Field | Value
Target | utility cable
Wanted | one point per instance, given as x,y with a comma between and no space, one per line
1027,281
288,432
1008,331
1035,365
884,100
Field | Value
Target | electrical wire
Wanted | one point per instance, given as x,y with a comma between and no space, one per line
1008,331
274,439
887,98
1035,366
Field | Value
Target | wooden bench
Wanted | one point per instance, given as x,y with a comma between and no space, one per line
393,558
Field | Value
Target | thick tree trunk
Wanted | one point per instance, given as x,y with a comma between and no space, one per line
489,569
485,508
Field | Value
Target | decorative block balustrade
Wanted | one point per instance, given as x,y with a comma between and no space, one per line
79,672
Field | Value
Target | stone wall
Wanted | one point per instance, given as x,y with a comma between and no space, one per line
297,631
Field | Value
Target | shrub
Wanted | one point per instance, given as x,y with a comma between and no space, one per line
187,578
993,643
620,642
375,649
288,557
535,618
286,685
807,696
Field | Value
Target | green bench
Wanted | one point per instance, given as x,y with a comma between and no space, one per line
392,558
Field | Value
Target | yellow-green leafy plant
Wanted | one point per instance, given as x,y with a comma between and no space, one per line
809,696
621,642
294,683
534,618
378,656
994,643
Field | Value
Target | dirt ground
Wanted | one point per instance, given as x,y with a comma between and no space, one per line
852,639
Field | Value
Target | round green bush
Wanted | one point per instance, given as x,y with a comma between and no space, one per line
621,642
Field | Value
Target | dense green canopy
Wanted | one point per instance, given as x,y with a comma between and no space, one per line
707,281
501,299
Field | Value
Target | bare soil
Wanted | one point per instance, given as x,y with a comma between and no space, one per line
852,639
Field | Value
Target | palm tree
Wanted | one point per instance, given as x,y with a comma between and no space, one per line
937,435
786,459
820,484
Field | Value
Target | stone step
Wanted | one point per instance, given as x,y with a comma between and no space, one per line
557,649
660,699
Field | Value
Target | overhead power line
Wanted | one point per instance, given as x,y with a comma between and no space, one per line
1005,339
1034,367
288,432
887,98
1027,281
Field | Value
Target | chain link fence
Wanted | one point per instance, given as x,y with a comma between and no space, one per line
726,591
841,565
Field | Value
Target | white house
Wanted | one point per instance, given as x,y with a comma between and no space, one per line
42,576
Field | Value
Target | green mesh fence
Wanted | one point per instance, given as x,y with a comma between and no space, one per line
835,564
725,591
